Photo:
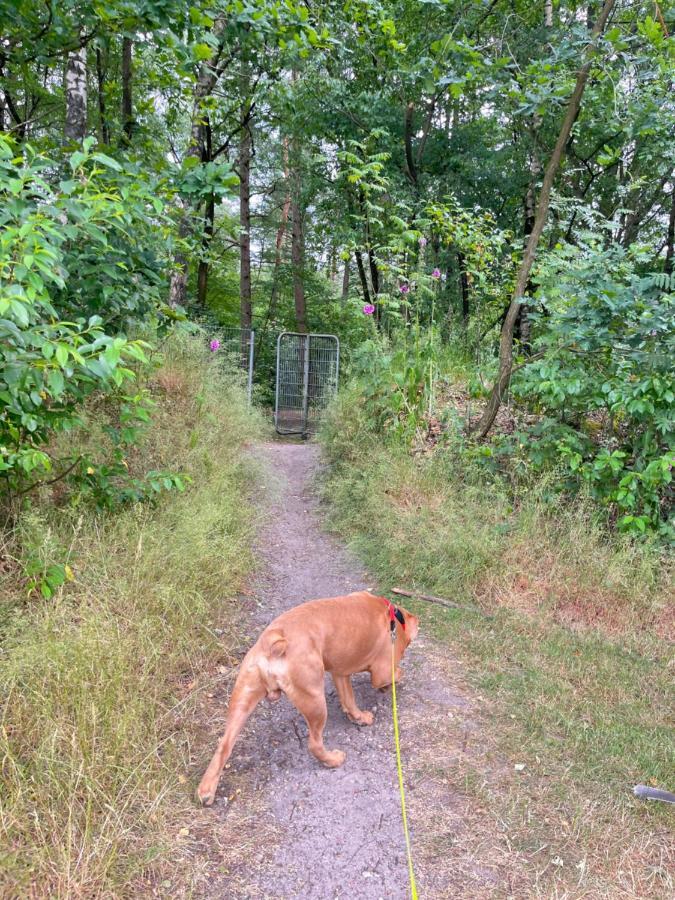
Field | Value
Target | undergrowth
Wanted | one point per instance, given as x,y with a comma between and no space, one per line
563,625
92,733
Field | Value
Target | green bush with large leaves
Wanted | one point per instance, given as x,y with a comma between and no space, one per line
606,382
78,265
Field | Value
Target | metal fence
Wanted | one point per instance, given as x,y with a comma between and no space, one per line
238,345
307,379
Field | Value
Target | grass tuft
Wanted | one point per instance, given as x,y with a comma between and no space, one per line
94,727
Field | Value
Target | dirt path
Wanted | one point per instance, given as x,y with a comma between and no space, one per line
304,831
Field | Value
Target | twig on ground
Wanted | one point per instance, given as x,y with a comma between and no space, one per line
652,793
416,595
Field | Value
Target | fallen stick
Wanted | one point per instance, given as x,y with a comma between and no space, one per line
652,793
416,595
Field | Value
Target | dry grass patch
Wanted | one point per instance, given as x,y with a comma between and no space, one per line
99,684
566,568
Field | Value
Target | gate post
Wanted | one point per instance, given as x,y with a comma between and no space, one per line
305,387
251,346
276,388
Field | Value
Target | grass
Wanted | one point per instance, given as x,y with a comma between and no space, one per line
563,632
95,724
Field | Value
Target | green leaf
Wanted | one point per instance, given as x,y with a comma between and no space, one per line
107,161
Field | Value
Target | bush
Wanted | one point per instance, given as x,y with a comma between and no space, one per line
76,267
606,378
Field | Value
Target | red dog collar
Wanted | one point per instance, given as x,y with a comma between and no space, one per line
394,614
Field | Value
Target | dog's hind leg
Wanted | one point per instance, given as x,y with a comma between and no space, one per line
310,700
249,690
345,692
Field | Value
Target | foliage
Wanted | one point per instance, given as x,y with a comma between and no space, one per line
395,383
59,325
608,337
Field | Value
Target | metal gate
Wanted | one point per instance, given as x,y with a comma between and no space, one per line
307,379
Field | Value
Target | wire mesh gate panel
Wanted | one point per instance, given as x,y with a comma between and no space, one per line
307,380
238,345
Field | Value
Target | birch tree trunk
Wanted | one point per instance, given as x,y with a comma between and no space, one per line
76,95
548,13
501,384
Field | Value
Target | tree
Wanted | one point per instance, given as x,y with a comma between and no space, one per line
506,342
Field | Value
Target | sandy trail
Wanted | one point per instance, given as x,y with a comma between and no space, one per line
337,833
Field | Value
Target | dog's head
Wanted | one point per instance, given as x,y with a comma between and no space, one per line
412,626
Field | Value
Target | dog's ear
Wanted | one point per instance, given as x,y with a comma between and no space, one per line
412,626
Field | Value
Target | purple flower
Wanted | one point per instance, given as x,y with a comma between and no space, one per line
423,242
436,273
404,288
368,309
214,345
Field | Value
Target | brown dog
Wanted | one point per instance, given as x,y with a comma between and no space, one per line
342,636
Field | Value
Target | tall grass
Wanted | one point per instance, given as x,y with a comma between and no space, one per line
93,734
564,627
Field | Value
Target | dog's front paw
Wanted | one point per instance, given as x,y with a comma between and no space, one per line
363,717
334,759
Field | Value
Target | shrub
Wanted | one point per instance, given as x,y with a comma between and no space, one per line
75,267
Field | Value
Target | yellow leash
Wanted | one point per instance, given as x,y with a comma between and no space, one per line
411,874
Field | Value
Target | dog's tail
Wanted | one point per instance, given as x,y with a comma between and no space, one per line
249,690
274,644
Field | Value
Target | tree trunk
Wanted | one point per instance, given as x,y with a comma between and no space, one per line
345,282
410,168
281,233
103,124
76,95
362,276
374,272
548,13
670,237
208,77
207,237
297,259
127,96
506,342
245,307
331,271
464,288
523,325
